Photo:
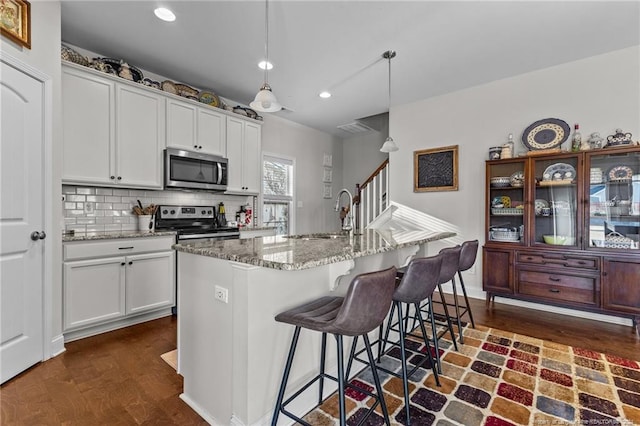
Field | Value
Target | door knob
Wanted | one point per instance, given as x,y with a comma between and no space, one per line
35,235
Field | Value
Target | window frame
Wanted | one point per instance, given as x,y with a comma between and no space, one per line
279,198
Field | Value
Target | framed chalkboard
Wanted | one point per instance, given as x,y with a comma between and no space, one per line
435,169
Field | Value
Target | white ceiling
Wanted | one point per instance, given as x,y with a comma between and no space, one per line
442,46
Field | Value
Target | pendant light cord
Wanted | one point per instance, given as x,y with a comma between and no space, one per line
266,40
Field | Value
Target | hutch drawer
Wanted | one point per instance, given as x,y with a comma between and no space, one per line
569,261
558,286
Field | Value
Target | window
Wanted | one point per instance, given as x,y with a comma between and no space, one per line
277,193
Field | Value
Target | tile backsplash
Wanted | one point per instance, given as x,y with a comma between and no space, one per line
96,209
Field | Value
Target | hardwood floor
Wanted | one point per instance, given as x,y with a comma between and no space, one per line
118,378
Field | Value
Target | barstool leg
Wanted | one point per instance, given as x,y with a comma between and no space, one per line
285,376
426,342
446,314
322,359
376,380
434,330
352,355
466,300
455,303
341,404
403,355
383,346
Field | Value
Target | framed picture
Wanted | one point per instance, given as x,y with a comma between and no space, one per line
435,169
326,193
15,21
327,175
327,161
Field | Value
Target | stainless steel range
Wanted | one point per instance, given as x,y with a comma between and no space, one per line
194,223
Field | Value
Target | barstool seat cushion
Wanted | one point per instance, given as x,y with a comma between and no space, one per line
315,315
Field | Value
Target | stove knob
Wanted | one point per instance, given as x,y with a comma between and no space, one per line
209,212
165,211
204,212
173,212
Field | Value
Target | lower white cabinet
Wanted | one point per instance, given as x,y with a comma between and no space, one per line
110,284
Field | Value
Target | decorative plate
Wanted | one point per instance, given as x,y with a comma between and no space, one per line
620,173
68,54
251,113
517,179
184,90
209,98
169,87
545,134
559,171
116,64
539,205
501,202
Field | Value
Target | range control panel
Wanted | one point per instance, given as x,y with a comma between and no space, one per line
186,212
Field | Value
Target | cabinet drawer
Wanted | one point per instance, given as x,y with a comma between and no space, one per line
560,287
570,261
117,247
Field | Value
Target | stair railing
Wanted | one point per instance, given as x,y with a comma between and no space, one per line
372,196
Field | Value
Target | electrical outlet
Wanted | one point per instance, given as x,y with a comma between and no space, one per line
89,207
222,294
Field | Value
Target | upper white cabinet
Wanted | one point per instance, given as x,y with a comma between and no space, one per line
194,128
113,133
243,151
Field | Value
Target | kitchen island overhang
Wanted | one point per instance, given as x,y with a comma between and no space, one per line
231,354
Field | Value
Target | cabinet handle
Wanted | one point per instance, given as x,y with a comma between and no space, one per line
554,290
554,279
529,258
123,264
199,146
113,177
119,177
604,274
130,262
582,262
195,147
125,248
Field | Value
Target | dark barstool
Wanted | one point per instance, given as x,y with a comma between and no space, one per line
450,263
467,259
417,284
363,308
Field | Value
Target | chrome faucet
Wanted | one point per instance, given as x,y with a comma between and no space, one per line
347,224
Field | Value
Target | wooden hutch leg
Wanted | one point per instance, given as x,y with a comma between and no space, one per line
636,324
490,298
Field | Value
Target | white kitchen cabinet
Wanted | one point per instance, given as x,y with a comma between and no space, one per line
94,291
243,152
108,284
195,128
88,123
113,131
150,282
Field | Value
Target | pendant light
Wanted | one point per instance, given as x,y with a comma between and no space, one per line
265,100
389,145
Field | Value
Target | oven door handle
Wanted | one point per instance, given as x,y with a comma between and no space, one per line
219,173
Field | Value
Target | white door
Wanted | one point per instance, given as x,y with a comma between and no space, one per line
21,221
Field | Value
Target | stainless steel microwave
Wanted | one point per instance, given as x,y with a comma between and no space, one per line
194,170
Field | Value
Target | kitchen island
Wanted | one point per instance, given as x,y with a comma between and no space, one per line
231,351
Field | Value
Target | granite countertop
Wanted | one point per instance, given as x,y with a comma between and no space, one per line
299,252
255,228
111,235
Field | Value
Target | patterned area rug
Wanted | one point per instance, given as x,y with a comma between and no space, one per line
499,378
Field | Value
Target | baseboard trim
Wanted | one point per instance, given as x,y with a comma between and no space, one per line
57,346
72,335
201,412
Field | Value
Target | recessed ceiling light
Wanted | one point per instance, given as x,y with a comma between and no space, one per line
165,14
262,64
325,95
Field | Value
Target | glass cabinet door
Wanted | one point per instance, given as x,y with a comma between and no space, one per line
555,204
505,201
613,220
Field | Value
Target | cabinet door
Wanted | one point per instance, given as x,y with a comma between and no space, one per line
251,158
497,271
88,108
235,132
181,125
150,282
613,214
621,285
93,291
211,132
140,137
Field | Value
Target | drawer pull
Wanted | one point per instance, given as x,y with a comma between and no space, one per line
130,263
125,248
554,279
122,264
582,262
554,290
